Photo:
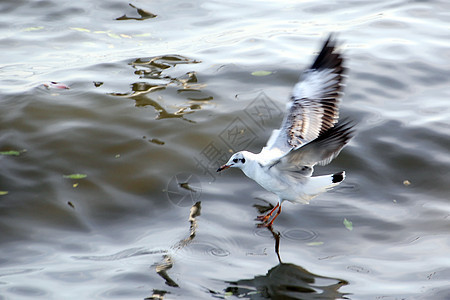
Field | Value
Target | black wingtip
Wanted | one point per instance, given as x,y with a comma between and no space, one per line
328,58
338,177
343,130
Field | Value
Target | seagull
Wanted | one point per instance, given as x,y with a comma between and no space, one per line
309,135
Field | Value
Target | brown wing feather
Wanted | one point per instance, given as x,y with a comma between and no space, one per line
316,97
313,108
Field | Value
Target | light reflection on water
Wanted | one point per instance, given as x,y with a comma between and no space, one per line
156,90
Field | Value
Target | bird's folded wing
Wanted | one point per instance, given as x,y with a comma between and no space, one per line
313,108
321,151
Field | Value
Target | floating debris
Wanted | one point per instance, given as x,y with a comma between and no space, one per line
10,153
80,29
144,15
315,244
261,73
348,224
56,85
75,176
157,142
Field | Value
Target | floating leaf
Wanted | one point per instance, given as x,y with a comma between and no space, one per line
75,185
70,204
142,34
315,244
406,182
75,176
261,73
10,152
33,28
90,44
117,156
156,141
3,193
348,224
113,35
80,29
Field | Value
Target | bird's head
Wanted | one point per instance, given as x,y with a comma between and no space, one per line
237,160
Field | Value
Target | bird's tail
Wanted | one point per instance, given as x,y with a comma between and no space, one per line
319,184
337,178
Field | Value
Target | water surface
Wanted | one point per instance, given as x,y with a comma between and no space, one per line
160,93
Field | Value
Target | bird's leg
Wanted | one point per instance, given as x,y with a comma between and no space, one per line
276,215
266,217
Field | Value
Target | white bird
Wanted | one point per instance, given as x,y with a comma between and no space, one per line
308,136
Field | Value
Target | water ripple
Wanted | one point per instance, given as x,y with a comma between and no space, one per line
121,255
298,234
201,251
141,76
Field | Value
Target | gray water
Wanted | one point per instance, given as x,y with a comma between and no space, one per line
160,93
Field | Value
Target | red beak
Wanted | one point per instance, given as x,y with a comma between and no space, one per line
223,168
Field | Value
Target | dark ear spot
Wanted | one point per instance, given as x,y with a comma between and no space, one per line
243,160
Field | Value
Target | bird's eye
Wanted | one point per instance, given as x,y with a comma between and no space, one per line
235,160
243,160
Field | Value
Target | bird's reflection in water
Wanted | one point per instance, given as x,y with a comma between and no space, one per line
287,281
284,281
167,261
156,75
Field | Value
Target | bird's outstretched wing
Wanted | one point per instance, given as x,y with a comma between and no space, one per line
321,150
313,108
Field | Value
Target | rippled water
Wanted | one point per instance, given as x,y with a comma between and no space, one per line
159,93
